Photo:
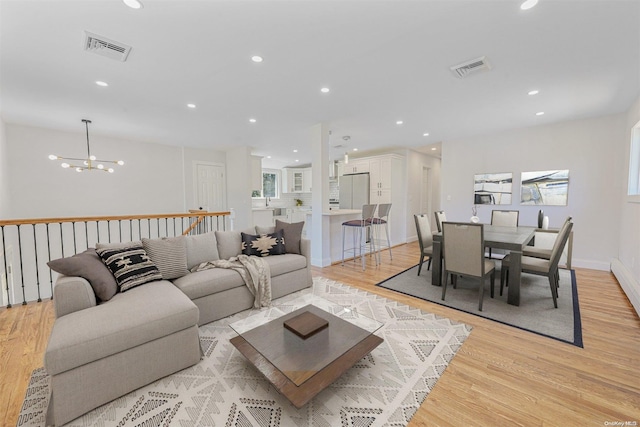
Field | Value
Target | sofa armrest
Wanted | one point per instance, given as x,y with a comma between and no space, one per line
305,250
71,294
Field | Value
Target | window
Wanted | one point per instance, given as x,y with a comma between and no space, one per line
634,165
270,184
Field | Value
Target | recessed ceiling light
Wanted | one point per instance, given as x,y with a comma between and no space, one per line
433,149
101,83
399,122
540,113
133,4
528,4
325,90
425,134
191,105
252,120
533,92
257,58
355,149
295,151
268,157
297,160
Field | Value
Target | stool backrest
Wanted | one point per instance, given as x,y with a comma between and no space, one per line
383,210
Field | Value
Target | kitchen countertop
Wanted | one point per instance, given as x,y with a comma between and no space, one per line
336,212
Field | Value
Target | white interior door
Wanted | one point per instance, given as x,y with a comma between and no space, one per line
210,187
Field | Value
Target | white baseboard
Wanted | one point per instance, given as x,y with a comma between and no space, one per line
322,262
629,284
593,265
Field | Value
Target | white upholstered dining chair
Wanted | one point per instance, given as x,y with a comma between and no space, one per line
464,255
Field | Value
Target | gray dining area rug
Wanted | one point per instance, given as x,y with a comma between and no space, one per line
385,388
535,312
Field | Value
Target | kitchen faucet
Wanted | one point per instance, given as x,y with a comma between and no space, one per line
266,201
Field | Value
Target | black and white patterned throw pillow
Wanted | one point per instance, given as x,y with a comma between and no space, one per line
131,266
263,244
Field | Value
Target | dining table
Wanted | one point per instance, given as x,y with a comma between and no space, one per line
512,239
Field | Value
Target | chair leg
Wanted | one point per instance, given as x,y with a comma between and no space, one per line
429,264
420,265
343,233
504,278
493,282
481,294
444,285
386,228
552,285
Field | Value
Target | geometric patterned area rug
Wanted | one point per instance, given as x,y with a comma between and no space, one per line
385,388
535,313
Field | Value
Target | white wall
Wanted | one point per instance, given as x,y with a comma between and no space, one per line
627,267
589,149
5,211
239,186
415,163
154,179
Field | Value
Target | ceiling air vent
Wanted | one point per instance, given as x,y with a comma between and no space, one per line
466,68
106,47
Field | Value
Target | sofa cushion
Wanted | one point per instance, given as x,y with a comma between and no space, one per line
138,316
292,235
130,265
89,266
265,229
207,282
285,263
263,244
230,242
169,254
201,248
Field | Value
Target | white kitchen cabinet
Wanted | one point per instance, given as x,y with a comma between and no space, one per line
263,217
296,180
355,166
306,180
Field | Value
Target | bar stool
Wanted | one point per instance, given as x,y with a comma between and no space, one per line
361,229
381,220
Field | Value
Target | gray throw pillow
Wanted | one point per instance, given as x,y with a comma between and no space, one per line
201,248
169,254
89,266
292,235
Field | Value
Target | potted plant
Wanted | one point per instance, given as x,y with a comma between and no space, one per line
298,202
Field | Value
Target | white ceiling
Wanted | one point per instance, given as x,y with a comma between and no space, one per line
383,61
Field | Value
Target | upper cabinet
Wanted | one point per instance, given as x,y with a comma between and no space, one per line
355,166
296,180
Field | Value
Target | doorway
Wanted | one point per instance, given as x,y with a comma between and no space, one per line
210,185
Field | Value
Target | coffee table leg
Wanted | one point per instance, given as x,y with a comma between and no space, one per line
436,265
515,272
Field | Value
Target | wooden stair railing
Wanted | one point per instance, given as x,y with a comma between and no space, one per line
28,244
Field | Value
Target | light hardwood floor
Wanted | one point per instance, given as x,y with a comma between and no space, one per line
502,376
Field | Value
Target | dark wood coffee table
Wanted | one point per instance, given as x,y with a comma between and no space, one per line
300,368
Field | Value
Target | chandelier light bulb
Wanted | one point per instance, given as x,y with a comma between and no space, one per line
90,162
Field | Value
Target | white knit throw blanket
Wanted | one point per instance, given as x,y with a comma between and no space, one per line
254,271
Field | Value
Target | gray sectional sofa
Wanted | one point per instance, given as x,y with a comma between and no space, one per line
99,351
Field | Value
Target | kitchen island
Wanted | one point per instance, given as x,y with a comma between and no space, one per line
332,221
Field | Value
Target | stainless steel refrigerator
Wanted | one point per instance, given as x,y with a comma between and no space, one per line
354,191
